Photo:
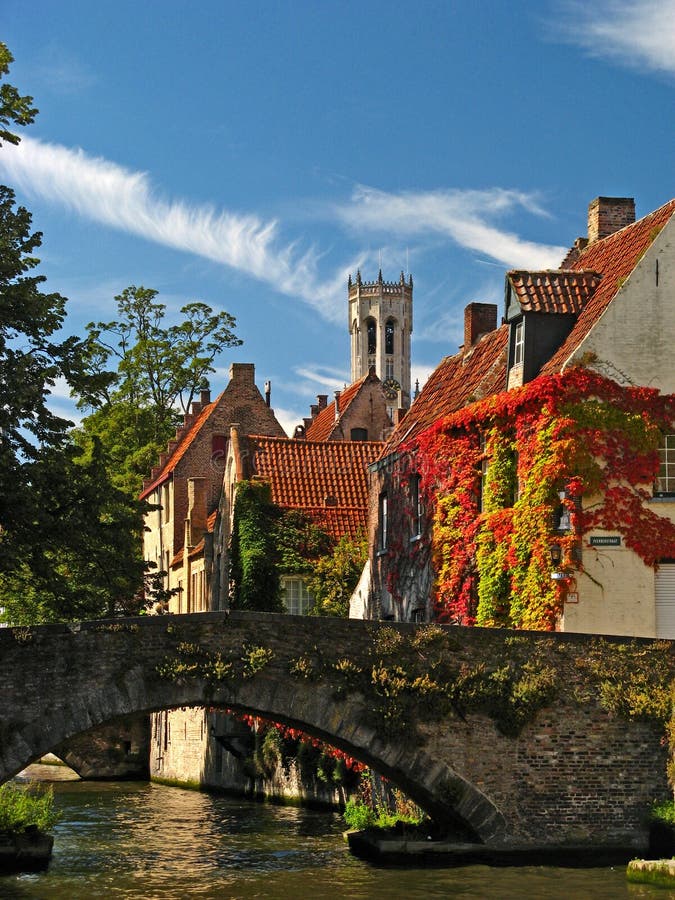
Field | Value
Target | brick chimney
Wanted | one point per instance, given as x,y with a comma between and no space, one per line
244,373
479,319
609,214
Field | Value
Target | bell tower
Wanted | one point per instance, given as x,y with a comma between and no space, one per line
380,325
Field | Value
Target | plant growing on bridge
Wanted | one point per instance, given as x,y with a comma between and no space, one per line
26,807
193,661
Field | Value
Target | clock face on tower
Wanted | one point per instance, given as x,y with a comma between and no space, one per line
391,387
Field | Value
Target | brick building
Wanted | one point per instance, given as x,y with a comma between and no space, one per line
186,485
602,329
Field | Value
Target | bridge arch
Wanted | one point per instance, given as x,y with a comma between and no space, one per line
439,790
553,783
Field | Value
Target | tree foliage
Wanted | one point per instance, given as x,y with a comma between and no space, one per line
335,576
139,371
30,362
83,560
14,109
299,543
68,538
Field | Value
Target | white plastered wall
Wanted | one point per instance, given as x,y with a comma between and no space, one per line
633,342
616,592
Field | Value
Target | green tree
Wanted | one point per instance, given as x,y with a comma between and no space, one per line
67,537
13,107
83,562
30,362
335,576
139,373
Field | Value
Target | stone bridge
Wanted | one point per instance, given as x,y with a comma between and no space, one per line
423,705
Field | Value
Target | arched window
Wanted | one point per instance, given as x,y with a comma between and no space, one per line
389,336
372,335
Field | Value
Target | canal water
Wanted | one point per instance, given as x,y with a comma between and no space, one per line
140,840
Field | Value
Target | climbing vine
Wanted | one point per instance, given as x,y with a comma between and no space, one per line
501,476
268,542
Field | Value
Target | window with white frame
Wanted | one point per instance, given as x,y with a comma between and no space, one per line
297,599
665,482
519,344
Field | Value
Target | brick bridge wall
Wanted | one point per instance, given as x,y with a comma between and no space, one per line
574,775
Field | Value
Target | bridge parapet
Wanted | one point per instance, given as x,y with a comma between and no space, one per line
502,731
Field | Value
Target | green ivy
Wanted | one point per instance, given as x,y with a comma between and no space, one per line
253,553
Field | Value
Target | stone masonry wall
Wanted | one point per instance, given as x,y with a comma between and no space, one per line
574,775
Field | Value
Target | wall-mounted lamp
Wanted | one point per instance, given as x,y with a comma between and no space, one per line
556,554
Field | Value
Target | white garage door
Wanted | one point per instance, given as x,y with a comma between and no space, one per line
665,601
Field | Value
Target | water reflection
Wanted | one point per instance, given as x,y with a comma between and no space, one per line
133,840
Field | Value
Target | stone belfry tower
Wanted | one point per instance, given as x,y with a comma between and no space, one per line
380,325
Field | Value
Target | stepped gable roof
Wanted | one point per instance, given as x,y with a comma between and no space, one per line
554,291
241,402
327,480
185,441
324,424
614,257
456,382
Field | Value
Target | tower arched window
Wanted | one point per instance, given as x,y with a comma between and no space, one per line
389,337
371,329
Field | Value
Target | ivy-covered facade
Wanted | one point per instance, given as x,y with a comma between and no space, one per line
531,484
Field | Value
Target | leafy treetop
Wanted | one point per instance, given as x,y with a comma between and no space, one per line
13,107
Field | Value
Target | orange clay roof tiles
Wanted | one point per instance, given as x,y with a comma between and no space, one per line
187,437
458,380
563,291
323,425
614,257
326,479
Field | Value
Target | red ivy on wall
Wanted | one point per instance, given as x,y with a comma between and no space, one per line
493,475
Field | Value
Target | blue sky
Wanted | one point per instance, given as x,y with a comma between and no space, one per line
252,154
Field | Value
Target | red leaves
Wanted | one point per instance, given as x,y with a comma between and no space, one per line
575,431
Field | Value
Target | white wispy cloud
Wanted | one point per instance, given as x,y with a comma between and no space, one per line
105,192
464,216
640,33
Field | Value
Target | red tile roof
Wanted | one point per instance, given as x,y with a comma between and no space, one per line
328,480
614,257
187,436
458,381
339,520
324,424
562,291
